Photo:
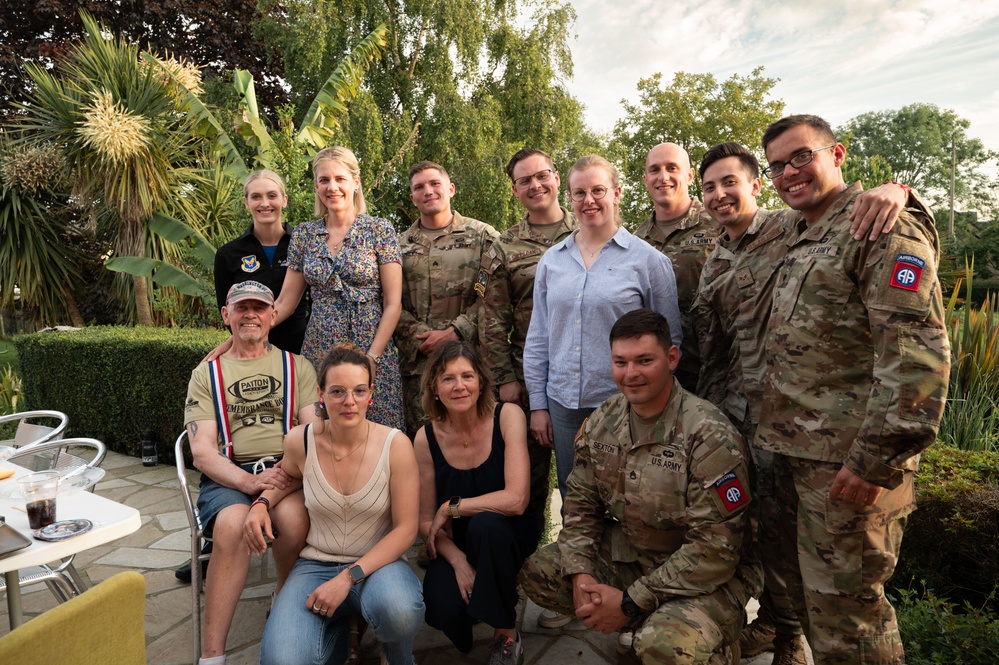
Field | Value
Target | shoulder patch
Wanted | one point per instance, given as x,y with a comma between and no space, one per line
480,283
249,263
731,491
579,434
908,272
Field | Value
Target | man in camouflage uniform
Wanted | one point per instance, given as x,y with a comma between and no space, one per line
681,229
441,254
656,520
506,288
857,366
730,312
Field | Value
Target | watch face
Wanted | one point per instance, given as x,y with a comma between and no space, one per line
356,574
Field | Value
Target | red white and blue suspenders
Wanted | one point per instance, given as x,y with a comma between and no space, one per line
218,399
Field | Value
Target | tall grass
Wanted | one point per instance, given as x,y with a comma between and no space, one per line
971,419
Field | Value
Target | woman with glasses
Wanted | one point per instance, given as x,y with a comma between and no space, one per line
474,477
583,285
362,493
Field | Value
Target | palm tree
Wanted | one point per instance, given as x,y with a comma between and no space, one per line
121,128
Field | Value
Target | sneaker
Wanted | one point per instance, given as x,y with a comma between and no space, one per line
757,637
624,641
184,572
790,650
506,651
552,619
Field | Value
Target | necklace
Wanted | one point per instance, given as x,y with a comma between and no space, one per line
341,457
582,245
347,505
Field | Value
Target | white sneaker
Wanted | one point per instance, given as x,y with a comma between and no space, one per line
552,619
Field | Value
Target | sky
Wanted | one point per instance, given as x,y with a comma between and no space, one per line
834,58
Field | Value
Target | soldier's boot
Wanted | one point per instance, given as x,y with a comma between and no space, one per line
727,655
758,637
790,650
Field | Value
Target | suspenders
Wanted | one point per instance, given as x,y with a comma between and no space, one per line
218,399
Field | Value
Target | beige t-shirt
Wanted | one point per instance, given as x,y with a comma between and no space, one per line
254,396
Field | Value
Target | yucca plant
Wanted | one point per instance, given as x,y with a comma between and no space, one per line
971,419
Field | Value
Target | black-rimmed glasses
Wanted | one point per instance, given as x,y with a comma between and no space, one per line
542,177
803,158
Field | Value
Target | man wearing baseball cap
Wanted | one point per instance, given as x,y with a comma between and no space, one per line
239,406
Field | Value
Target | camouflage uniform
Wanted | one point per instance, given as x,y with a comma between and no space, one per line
857,368
688,242
730,314
506,287
665,519
438,275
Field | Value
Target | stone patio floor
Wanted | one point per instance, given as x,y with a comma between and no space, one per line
163,543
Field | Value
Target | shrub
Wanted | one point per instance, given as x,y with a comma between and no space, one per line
951,542
936,631
115,383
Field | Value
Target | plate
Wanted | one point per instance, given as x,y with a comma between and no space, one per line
69,484
62,530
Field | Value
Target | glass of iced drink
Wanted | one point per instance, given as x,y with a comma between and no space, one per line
39,491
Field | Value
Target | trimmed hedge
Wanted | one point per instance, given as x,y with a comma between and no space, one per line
951,542
115,383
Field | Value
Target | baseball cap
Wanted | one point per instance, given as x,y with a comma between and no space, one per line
249,290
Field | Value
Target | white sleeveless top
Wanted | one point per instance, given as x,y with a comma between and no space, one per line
338,535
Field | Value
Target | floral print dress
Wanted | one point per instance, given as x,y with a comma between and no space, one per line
347,300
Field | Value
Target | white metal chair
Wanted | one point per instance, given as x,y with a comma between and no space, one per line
29,434
197,541
66,456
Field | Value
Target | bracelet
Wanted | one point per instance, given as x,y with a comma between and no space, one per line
262,500
377,359
905,188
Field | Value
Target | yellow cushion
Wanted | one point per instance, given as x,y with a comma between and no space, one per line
103,625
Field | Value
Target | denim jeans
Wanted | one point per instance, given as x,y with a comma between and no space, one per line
565,425
390,600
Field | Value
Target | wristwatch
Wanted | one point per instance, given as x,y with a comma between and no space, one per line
356,574
452,507
629,607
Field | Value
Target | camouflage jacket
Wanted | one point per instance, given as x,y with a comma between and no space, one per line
506,287
857,352
730,315
687,242
676,501
438,276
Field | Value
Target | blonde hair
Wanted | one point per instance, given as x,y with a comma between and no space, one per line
596,161
261,174
348,160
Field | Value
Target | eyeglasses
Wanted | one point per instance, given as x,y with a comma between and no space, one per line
541,176
339,393
597,192
803,158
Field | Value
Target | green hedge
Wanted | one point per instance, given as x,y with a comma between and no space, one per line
951,543
115,383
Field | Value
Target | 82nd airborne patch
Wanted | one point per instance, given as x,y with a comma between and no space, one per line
730,489
908,272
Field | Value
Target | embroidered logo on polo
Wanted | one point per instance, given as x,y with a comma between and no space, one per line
730,490
250,264
908,272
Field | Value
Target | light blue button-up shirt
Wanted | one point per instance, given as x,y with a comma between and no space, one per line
567,352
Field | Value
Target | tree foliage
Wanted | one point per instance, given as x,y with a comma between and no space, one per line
915,143
695,111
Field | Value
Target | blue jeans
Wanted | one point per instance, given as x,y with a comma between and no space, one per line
565,425
390,601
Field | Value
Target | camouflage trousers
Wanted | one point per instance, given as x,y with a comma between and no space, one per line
412,405
837,558
682,631
775,601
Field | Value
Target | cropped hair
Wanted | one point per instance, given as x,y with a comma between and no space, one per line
731,149
264,174
640,322
790,122
426,165
523,154
348,160
442,356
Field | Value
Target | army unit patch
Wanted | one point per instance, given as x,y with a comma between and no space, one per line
250,264
480,283
907,273
730,490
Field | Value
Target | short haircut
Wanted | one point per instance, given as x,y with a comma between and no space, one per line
347,159
640,322
523,154
790,122
731,149
426,165
442,356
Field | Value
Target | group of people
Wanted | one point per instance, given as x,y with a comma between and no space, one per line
736,400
